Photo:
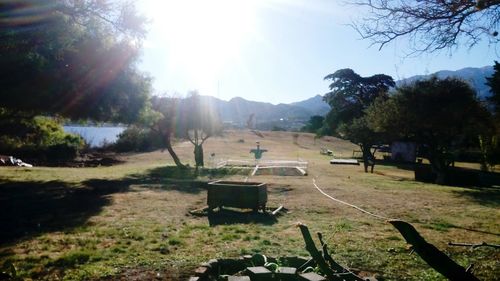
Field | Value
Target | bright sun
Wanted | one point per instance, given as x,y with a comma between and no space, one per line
200,36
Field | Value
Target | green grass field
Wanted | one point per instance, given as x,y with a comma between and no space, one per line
131,221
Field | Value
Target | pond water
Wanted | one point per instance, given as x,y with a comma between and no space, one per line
96,136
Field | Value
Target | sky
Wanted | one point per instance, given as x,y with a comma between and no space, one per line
275,51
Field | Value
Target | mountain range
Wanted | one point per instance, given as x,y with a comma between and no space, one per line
476,77
267,116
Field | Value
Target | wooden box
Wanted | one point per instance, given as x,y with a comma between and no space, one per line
245,195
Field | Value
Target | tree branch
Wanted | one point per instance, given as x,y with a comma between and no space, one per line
429,25
189,138
473,246
203,139
432,255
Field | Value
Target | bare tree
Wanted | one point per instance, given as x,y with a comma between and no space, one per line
199,121
197,137
430,25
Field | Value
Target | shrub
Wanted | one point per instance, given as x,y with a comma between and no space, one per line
40,138
62,151
135,138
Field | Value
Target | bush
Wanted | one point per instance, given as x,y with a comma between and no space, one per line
62,151
39,138
135,138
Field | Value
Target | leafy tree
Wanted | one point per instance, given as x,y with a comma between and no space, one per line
494,83
490,152
441,115
489,145
75,58
350,94
170,117
430,25
349,97
314,124
361,134
162,119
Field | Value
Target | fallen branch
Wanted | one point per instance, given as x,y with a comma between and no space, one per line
432,255
337,267
315,254
473,246
325,262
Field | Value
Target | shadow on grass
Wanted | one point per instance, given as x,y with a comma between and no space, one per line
227,216
189,173
30,208
476,230
183,180
445,226
487,196
455,176
399,165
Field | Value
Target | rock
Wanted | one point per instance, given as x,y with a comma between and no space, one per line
214,263
259,273
201,271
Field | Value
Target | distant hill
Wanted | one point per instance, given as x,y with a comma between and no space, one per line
475,76
236,111
315,104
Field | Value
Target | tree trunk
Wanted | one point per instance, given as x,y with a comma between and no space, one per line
439,167
168,146
368,158
440,177
198,155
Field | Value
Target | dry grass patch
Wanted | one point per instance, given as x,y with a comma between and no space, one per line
131,220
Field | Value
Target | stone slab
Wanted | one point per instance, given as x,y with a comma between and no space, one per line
258,270
238,278
287,270
311,276
336,161
259,273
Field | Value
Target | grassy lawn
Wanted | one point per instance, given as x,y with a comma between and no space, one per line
131,220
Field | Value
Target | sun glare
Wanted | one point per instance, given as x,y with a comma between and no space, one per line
202,37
